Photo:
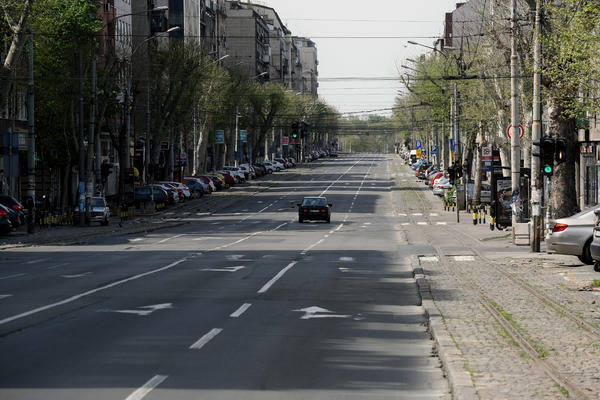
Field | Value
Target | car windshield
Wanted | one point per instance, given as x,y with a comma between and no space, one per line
314,201
96,202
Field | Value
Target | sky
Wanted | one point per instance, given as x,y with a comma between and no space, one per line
363,39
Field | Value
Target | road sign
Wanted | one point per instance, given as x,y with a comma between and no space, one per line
434,150
419,153
418,144
220,137
486,158
285,140
452,145
243,136
520,128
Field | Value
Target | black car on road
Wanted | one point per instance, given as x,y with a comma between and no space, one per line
314,208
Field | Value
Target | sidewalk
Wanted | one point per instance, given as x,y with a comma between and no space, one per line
474,274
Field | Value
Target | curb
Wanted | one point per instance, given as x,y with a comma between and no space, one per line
453,362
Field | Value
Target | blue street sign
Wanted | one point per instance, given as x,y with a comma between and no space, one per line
434,150
418,144
451,144
220,137
243,136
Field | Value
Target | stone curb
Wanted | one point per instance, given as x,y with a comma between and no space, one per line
453,362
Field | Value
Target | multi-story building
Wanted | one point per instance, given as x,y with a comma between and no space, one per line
280,43
247,41
307,53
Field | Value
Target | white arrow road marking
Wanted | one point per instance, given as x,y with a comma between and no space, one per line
145,310
12,276
76,275
318,312
4,296
205,339
225,269
147,387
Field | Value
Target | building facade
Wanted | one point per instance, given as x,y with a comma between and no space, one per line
307,56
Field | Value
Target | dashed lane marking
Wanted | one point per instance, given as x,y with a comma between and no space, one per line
147,387
206,338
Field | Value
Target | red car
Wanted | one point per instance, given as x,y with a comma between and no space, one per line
228,178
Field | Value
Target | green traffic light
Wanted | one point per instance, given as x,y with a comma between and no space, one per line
547,169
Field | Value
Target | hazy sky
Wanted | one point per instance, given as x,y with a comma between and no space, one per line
338,27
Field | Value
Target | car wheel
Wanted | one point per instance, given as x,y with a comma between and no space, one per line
328,220
300,220
597,266
586,256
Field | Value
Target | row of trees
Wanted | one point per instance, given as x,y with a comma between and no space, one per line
191,95
480,66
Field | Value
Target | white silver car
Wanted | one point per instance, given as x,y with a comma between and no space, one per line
572,235
236,171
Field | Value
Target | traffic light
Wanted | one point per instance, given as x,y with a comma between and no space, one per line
560,152
548,148
459,171
294,130
451,174
105,171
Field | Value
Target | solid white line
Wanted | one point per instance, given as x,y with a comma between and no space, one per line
279,226
4,296
58,265
172,237
147,387
206,338
89,292
268,285
237,313
12,276
339,227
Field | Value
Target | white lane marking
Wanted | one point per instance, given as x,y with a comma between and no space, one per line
441,223
318,312
405,223
76,275
428,259
279,226
169,238
58,266
403,215
36,261
326,236
136,240
421,223
11,276
366,223
264,208
306,250
206,338
347,259
417,214
216,223
339,227
224,269
4,296
147,387
434,215
90,292
243,308
331,231
463,258
234,257
144,310
268,285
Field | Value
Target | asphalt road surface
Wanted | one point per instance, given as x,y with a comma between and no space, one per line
244,304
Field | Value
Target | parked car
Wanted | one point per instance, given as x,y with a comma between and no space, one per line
218,182
262,167
595,245
5,225
573,235
173,195
236,172
279,165
15,210
99,210
314,208
184,191
441,186
229,179
269,166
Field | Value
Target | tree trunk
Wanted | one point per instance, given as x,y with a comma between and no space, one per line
563,198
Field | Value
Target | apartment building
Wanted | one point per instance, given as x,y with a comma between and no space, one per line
248,41
280,45
307,55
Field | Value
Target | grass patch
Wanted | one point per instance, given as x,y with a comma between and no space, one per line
564,391
595,283
496,237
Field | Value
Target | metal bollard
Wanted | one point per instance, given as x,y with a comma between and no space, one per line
491,223
474,217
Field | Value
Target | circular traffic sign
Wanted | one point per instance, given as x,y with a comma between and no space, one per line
520,128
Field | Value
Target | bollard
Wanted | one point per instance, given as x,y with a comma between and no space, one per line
491,223
474,217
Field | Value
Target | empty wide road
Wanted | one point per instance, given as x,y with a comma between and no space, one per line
243,304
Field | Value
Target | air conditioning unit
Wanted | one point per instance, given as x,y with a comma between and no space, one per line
266,58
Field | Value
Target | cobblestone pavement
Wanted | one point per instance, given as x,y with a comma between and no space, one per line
466,262
168,218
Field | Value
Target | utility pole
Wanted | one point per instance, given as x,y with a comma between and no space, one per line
89,192
437,146
82,176
536,133
515,141
456,151
235,148
31,142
